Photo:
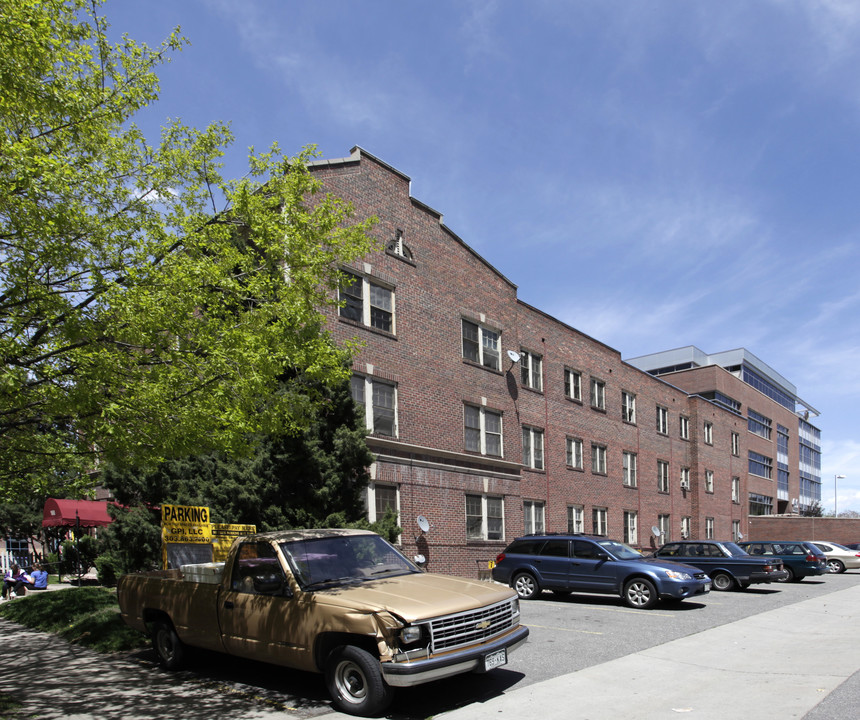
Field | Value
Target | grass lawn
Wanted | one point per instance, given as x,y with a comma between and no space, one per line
87,616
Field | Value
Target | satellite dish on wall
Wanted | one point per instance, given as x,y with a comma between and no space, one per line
740,536
656,530
423,523
514,356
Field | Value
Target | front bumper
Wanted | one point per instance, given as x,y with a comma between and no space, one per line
680,590
417,672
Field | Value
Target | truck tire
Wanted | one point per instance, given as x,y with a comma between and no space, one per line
355,682
167,645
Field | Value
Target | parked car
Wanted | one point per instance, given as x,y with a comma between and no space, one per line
728,565
586,563
801,559
839,557
853,546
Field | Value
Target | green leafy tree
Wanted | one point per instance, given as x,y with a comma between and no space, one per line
147,305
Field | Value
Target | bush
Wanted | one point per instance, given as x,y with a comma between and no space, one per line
109,567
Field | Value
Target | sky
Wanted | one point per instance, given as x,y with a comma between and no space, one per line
654,173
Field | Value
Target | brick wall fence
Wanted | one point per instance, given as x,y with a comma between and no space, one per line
793,527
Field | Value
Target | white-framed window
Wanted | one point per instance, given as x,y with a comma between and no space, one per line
708,430
481,345
684,427
380,498
685,478
686,523
483,429
599,521
574,453
628,407
485,517
573,384
380,415
664,522
533,517
736,444
628,468
662,420
736,530
662,476
598,459
532,447
367,302
631,527
575,519
709,528
398,247
736,489
598,394
709,481
531,370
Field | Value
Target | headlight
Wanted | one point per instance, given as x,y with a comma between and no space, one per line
410,634
675,575
515,606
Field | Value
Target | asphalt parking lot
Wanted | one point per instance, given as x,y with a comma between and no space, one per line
571,638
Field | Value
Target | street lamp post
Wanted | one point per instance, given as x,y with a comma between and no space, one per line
835,478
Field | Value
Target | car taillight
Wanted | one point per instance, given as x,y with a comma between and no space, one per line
499,558
768,568
814,558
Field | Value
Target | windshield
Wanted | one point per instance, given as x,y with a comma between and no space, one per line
344,559
619,549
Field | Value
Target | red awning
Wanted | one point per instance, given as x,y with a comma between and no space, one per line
91,513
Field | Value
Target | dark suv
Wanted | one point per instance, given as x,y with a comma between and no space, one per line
585,563
799,558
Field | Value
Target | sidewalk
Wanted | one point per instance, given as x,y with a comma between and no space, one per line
779,664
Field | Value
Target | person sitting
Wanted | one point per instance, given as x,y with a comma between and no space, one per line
39,577
16,582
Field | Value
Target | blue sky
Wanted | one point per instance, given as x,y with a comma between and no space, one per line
654,173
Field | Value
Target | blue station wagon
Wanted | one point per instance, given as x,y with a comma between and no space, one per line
585,563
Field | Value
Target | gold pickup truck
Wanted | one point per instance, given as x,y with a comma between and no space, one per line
341,602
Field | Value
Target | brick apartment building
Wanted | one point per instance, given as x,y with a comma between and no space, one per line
492,419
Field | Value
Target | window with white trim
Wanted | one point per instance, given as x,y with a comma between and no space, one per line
376,312
736,490
531,370
664,522
684,426
662,476
573,384
631,527
380,415
575,519
382,497
662,420
533,517
628,407
685,478
598,459
481,345
483,429
599,521
598,394
574,453
398,247
485,516
709,481
628,468
708,430
736,444
686,523
736,530
532,447
709,528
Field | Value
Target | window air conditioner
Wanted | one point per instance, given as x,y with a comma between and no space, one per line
685,485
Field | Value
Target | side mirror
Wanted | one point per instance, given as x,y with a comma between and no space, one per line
602,556
272,585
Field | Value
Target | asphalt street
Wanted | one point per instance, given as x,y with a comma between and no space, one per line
788,652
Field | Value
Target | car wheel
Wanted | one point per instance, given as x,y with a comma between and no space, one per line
723,581
789,575
168,647
526,586
835,566
355,682
640,593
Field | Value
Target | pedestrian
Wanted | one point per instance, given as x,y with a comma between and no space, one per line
39,577
16,582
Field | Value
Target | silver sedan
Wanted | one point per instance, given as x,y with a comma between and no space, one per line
839,557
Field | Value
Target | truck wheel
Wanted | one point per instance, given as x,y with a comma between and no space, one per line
355,682
640,593
168,647
723,581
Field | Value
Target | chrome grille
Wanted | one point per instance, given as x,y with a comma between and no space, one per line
453,631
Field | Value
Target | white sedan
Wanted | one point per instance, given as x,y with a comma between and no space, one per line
839,557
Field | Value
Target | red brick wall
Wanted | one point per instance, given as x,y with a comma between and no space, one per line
773,527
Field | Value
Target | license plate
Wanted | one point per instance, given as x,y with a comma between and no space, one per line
707,587
495,659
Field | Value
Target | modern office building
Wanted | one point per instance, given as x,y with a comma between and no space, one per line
491,419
